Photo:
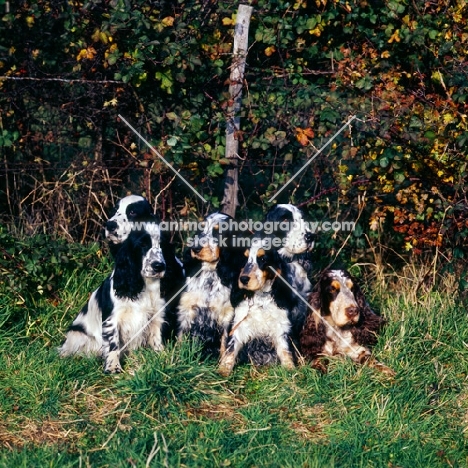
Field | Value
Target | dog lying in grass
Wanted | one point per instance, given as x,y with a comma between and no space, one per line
340,322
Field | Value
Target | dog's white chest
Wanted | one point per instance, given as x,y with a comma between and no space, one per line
260,317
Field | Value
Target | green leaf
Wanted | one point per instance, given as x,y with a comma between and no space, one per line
172,141
399,177
384,162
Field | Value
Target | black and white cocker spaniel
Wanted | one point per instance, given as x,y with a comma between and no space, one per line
265,311
133,213
212,263
127,310
340,322
290,235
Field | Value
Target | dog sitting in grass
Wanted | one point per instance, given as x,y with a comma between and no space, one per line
265,311
340,322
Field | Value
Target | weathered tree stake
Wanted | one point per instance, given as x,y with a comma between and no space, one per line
241,39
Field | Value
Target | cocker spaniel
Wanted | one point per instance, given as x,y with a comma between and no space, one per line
340,322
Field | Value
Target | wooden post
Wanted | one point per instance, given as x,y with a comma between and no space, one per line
241,40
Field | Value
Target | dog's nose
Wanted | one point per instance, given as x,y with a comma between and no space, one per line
197,248
351,312
111,226
244,279
309,237
158,267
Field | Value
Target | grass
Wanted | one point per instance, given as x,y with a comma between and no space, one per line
170,410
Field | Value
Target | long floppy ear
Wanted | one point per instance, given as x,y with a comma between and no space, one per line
370,324
283,294
191,265
312,337
237,295
127,278
174,276
231,261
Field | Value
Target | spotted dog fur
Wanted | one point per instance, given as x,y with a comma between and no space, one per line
264,310
341,323
297,240
205,310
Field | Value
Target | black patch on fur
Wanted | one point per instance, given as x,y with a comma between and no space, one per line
279,214
172,281
259,351
78,328
103,298
207,332
84,310
128,282
191,265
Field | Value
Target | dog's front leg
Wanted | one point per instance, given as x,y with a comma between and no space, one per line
155,332
224,339
111,346
284,354
229,356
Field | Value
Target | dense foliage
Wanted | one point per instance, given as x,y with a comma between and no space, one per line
400,67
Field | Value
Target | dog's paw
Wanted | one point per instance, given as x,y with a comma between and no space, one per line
112,364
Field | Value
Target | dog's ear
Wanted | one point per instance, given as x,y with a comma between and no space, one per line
370,324
313,336
191,265
127,278
283,293
231,261
315,300
237,295
174,276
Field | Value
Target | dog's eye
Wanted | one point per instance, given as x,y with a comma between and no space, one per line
132,213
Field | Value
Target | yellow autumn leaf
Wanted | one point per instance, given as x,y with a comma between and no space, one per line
229,21
448,118
385,54
81,55
95,35
269,51
408,246
30,21
373,224
299,4
315,32
103,38
168,21
88,53
395,37
112,102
